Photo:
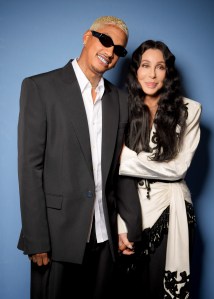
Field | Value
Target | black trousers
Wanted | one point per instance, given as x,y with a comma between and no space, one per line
61,280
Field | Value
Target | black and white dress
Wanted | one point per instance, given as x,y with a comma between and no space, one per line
167,214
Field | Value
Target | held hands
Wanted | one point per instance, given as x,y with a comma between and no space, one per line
41,259
125,247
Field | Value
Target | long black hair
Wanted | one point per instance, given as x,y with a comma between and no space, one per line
170,118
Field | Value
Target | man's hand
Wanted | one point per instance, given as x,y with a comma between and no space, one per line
41,259
125,246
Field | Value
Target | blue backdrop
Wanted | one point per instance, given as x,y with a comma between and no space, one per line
37,36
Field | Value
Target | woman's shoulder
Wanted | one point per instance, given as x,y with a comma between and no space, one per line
194,109
192,103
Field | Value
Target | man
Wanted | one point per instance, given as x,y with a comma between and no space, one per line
70,135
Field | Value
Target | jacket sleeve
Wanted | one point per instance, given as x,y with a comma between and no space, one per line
31,150
129,208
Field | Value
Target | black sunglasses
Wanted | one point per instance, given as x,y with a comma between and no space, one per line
107,42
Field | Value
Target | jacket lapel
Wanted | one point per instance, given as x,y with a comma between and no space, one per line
110,117
77,112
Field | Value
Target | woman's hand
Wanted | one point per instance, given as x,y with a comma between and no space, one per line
125,246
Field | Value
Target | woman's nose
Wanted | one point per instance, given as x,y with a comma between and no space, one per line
152,73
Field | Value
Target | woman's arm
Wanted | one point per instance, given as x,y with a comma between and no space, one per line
141,166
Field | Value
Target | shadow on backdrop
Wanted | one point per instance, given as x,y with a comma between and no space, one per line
196,178
122,72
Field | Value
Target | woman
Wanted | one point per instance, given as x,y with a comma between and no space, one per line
163,135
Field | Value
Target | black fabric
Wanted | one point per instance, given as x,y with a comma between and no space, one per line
130,212
93,238
39,281
52,102
61,280
141,275
152,181
145,276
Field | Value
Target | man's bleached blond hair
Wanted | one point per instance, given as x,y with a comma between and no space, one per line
110,20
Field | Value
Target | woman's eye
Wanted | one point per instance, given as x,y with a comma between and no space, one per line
161,67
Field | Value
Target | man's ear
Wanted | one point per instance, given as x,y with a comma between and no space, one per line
86,36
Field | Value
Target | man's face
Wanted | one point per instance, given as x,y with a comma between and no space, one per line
97,57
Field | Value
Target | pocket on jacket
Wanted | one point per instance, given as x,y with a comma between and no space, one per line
54,201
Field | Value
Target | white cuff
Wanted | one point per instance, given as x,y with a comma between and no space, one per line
121,225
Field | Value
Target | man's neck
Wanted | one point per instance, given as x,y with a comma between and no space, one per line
93,78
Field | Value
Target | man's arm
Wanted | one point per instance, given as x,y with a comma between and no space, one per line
31,152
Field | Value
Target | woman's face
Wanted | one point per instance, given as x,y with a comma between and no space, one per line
152,71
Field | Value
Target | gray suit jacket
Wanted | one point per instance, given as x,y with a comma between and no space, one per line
56,182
